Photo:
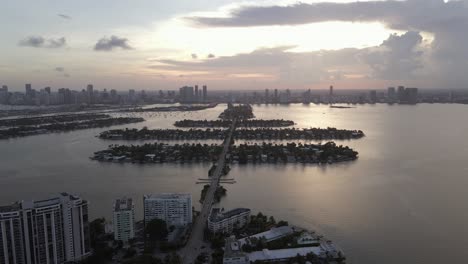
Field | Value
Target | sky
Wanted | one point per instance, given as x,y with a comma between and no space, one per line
234,45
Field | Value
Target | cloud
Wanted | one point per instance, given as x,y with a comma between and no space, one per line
210,56
62,72
194,56
56,43
64,16
268,63
41,42
398,57
445,59
396,14
33,41
108,44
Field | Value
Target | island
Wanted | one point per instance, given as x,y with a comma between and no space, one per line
239,123
178,108
239,112
219,134
327,153
21,127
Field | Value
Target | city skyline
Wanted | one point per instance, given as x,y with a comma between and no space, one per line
236,44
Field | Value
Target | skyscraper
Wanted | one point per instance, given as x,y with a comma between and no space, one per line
401,93
131,96
186,94
391,94
373,96
124,219
4,94
90,93
411,95
175,209
76,227
307,97
47,231
29,94
205,93
330,94
196,93
28,89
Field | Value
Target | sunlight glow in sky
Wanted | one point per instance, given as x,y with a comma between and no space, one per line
152,45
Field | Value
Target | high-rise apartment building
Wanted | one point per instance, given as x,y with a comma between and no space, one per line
175,209
47,231
221,221
11,235
124,219
186,94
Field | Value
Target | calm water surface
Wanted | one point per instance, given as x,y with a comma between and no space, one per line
403,201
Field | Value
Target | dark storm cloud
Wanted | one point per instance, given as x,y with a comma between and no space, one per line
64,16
108,44
41,42
445,58
398,57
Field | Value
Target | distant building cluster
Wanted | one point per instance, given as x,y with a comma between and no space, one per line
199,94
191,94
88,96
405,96
47,231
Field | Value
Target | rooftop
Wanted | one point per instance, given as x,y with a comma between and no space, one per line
167,196
123,204
38,204
10,208
72,197
266,254
270,235
218,215
232,248
46,202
